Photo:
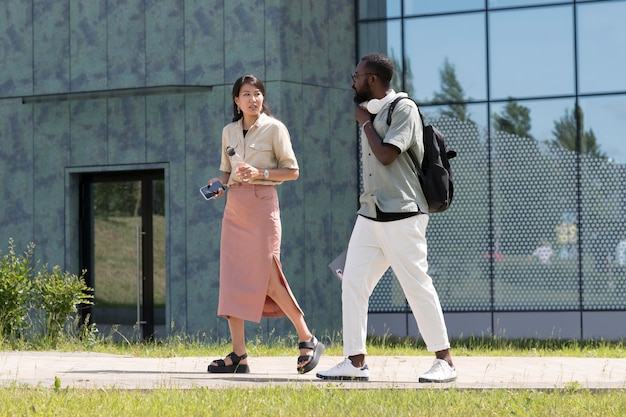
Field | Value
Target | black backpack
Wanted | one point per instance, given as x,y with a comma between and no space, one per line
435,176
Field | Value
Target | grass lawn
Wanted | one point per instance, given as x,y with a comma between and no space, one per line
309,400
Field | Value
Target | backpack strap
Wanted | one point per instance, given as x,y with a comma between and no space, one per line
417,170
392,106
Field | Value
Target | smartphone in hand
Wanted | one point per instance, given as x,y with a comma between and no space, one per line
209,192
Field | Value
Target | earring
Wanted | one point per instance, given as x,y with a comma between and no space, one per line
238,110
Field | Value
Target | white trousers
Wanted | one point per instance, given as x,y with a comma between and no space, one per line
373,248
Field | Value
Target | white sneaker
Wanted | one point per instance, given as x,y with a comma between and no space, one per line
439,372
345,371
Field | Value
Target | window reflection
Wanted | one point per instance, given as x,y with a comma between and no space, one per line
535,196
601,68
606,117
549,172
475,113
460,43
413,7
382,37
602,179
542,117
494,4
531,52
377,9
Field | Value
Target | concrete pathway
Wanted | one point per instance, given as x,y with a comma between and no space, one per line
94,370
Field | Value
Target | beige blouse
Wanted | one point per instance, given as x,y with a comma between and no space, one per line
267,145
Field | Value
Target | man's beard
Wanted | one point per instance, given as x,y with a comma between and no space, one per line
362,96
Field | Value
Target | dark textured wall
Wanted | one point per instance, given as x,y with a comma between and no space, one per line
303,49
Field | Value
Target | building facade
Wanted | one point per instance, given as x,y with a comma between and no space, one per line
531,94
112,113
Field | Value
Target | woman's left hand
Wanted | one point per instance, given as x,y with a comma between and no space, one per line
247,172
221,191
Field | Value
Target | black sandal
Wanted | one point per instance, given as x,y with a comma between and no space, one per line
317,349
235,368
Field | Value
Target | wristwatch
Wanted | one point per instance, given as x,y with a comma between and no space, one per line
266,174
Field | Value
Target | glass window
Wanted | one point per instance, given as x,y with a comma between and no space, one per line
540,115
603,175
456,260
550,236
474,113
531,52
534,197
601,57
534,205
496,4
459,51
382,37
605,118
377,9
415,7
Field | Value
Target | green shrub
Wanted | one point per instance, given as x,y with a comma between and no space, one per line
28,292
15,291
57,294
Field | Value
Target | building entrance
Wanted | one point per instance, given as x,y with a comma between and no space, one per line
122,229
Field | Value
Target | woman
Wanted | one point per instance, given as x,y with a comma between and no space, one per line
252,284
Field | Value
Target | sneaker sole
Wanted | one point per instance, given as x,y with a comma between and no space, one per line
437,381
343,378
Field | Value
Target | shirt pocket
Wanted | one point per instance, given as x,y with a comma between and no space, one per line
261,155
261,147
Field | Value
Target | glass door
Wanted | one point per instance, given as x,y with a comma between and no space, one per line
123,233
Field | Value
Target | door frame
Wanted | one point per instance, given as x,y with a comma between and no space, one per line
86,234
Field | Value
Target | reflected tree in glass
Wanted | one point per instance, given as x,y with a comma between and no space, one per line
514,119
451,93
565,134
404,75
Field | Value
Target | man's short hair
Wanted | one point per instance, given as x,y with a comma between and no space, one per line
380,65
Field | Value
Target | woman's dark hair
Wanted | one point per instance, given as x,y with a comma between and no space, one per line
380,65
255,82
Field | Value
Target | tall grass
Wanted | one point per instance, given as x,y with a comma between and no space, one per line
186,345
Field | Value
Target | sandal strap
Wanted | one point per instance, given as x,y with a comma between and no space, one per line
308,345
304,358
236,359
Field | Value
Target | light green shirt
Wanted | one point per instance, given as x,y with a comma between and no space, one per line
267,145
394,188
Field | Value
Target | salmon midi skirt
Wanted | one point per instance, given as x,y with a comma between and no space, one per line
250,248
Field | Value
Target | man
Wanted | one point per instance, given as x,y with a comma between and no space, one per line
390,229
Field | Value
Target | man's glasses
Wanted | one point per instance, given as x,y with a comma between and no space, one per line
355,75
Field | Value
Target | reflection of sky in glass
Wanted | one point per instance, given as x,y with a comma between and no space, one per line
477,113
511,3
437,38
602,47
393,8
382,36
607,117
531,52
543,113
441,6
394,42
375,9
